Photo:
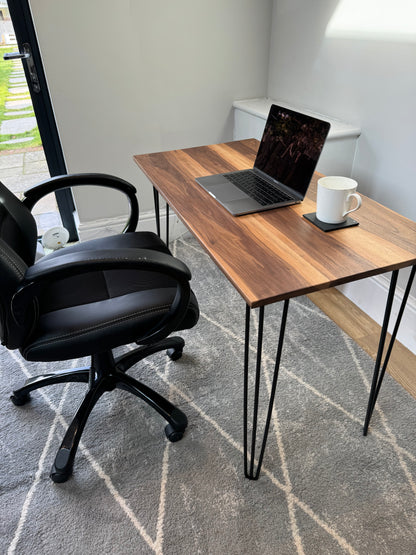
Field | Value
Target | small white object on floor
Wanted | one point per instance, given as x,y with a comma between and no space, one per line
55,238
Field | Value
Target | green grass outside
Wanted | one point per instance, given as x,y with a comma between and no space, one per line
6,68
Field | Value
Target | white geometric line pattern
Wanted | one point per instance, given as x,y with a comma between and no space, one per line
390,434
94,464
41,467
192,497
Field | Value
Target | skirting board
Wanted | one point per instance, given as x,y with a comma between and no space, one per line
147,222
368,294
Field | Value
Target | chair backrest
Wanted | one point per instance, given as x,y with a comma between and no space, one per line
18,237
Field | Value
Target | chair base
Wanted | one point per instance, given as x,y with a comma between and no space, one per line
105,374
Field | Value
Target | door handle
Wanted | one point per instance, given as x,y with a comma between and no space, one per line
26,55
16,55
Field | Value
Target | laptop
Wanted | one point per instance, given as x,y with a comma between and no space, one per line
285,162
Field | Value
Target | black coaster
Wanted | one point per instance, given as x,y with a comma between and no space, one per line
349,222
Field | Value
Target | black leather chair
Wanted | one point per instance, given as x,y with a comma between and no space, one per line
86,300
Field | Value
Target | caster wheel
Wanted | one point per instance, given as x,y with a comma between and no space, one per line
172,434
19,400
62,467
174,354
59,477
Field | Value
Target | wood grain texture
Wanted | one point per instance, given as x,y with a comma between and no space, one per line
277,254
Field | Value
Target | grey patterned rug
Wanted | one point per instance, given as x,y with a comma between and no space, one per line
324,488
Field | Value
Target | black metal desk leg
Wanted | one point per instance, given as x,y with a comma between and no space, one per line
157,209
157,214
378,376
250,473
167,225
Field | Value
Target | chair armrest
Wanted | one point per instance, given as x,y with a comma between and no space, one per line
45,272
75,180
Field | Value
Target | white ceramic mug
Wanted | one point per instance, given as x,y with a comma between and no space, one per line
334,196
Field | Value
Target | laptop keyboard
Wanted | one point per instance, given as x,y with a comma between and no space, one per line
257,188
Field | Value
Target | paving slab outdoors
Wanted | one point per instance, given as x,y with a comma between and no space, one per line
19,117
22,168
17,126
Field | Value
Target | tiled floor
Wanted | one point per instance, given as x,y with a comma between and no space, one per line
20,170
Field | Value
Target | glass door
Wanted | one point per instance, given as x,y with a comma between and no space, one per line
30,149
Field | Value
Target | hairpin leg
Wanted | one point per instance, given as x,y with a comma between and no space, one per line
157,209
250,473
379,375
167,225
157,215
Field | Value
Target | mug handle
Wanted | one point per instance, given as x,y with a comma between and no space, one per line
359,201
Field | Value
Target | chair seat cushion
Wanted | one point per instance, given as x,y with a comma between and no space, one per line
102,310
71,332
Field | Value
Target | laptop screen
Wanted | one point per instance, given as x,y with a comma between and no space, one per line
290,147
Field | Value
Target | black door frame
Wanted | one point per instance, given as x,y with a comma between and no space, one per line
24,29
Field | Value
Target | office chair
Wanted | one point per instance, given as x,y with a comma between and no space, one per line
86,299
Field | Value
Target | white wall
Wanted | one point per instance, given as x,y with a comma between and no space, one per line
361,68
133,77
365,78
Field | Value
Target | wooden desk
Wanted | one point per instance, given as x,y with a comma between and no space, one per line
276,255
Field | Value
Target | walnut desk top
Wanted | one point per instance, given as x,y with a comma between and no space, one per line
276,254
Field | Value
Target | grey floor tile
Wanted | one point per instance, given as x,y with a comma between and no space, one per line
23,182
11,160
35,167
35,156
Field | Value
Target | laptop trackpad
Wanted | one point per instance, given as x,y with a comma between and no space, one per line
227,192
